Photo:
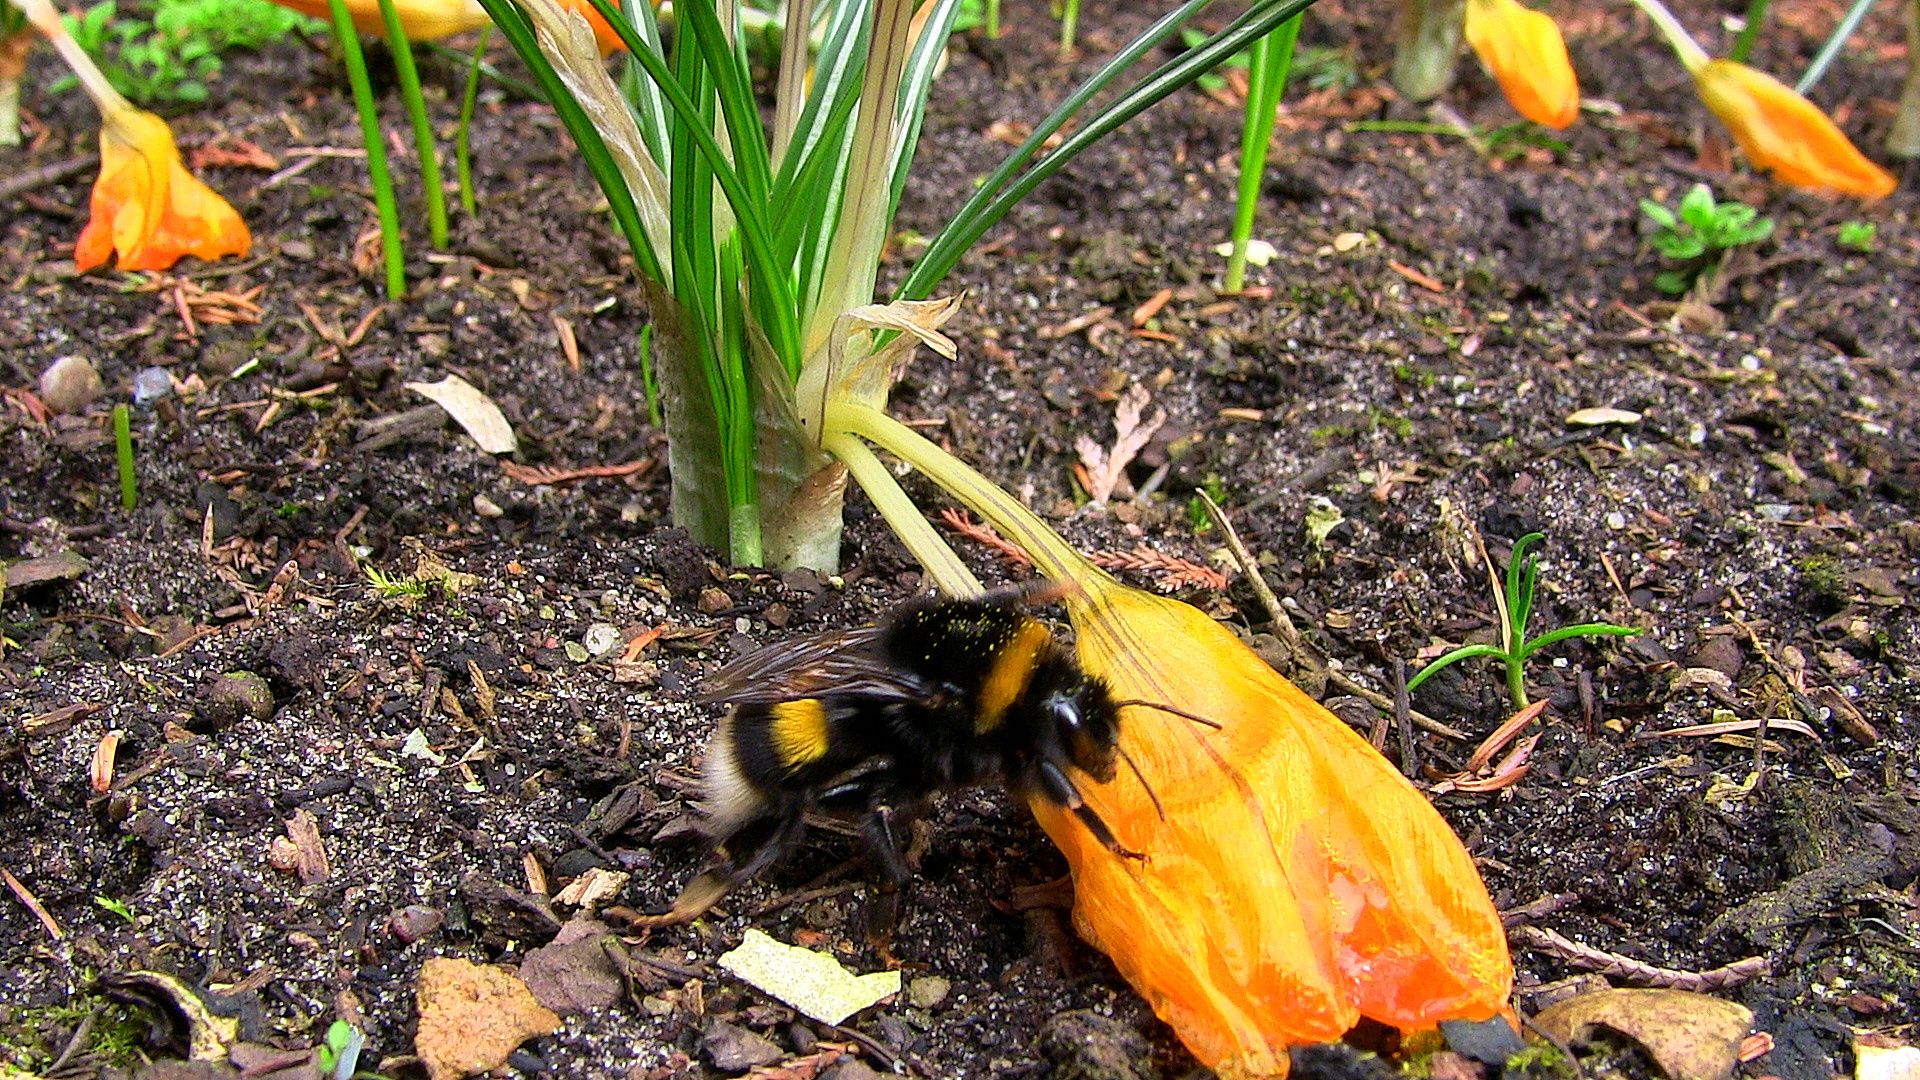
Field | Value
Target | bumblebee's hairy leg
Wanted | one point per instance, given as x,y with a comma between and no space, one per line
1057,787
881,829
711,886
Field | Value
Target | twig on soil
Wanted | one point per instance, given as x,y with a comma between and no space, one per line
893,1062
32,902
1539,909
1638,972
51,173
1290,634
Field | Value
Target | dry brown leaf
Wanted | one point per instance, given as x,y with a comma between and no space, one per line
310,858
472,1016
1690,1036
1106,468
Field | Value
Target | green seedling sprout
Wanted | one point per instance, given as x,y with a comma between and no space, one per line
339,1054
1700,235
1269,63
407,78
462,160
1516,607
123,453
383,200
392,588
1860,236
117,907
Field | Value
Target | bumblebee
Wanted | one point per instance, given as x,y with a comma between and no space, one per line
870,723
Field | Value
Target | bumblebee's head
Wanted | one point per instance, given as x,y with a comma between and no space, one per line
1082,718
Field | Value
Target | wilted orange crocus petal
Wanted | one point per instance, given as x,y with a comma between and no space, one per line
429,19
1528,58
421,19
147,206
1782,131
1296,882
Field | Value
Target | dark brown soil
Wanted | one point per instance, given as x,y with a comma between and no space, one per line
1758,520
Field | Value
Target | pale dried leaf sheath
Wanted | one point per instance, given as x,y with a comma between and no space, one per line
568,41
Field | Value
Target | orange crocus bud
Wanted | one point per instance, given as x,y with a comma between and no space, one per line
147,206
1524,51
1782,131
1295,881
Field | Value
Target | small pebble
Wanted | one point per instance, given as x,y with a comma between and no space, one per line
735,1049
601,640
151,385
927,991
415,921
70,384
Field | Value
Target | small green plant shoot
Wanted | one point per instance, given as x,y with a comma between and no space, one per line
1858,236
1700,235
123,454
1516,607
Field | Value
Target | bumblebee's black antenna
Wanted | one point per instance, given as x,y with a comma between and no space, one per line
1142,777
1182,713
1128,758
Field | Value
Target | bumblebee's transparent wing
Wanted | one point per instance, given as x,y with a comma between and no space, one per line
841,662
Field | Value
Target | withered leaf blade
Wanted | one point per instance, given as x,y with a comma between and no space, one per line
473,410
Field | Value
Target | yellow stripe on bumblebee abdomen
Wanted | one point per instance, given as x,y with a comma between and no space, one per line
798,731
1009,673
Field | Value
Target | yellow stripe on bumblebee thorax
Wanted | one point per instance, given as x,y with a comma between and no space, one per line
798,732
1010,672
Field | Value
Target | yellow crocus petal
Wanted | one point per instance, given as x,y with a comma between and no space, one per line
1524,51
147,206
1784,132
1296,881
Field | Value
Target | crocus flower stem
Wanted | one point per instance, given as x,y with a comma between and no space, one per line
408,77
43,16
906,520
1692,56
1051,555
383,200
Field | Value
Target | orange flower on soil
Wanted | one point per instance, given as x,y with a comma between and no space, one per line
1782,131
424,20
1296,881
147,206
1528,58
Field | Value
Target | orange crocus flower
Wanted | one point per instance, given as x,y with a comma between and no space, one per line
1296,881
1524,51
147,206
428,19
1782,131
